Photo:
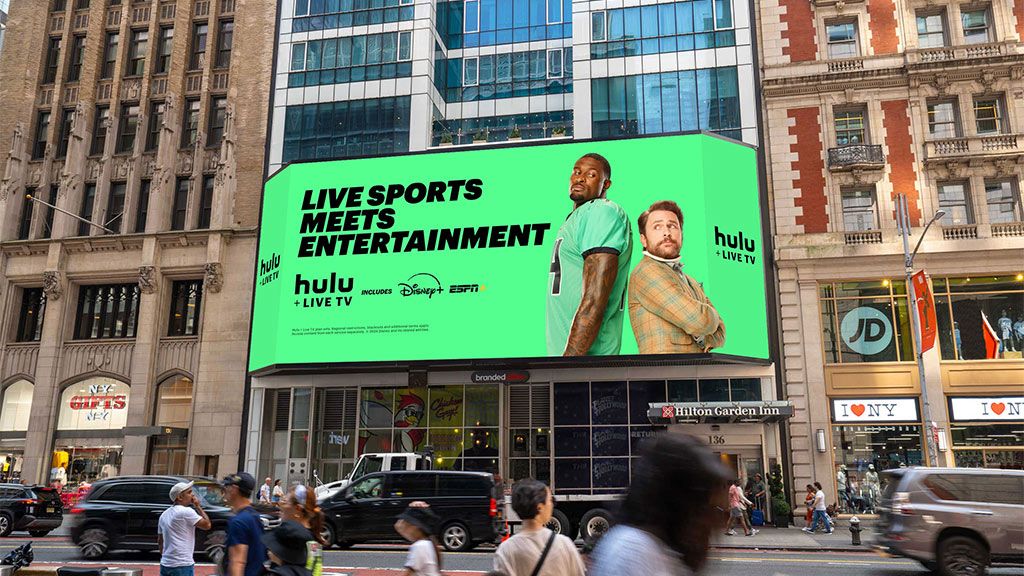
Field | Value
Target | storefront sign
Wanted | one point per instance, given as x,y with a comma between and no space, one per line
925,310
859,410
997,408
501,377
866,330
94,404
698,412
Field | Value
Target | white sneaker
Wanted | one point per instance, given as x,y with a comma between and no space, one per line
754,531
730,533
808,530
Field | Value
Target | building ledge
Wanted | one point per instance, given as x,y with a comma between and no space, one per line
994,146
1005,238
928,59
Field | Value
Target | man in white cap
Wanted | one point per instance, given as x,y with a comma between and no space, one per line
176,534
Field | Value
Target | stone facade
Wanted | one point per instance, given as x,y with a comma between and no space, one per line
197,221
889,79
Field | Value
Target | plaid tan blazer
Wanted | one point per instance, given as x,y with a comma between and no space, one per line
668,312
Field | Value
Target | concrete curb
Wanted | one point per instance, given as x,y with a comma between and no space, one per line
861,549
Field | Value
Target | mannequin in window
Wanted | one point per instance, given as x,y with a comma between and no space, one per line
1006,331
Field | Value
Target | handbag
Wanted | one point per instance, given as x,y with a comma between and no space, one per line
544,555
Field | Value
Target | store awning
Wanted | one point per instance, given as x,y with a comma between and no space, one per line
154,431
662,413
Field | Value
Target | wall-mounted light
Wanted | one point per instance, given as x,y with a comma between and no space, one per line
820,435
942,440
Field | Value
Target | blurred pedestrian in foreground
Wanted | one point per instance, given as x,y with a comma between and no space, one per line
286,548
418,525
536,550
670,511
299,505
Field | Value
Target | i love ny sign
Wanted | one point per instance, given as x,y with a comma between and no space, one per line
867,410
997,408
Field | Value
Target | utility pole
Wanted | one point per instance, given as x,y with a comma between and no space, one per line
903,220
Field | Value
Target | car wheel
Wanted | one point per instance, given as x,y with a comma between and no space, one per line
6,525
94,543
327,535
216,546
559,523
595,524
455,537
38,533
962,556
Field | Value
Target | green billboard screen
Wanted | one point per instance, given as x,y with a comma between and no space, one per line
513,252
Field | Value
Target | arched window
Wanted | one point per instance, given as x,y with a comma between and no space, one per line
174,402
17,407
94,404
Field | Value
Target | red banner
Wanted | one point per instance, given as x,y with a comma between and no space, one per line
925,310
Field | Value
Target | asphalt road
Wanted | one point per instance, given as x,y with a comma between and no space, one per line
384,558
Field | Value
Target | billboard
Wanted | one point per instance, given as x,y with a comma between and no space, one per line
513,252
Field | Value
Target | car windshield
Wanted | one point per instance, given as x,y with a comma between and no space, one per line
212,494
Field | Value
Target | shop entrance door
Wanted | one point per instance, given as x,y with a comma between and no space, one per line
746,464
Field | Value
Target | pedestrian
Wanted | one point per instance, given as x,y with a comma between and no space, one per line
759,491
666,520
265,491
286,549
536,550
176,531
809,503
738,510
277,493
299,505
417,525
819,511
246,550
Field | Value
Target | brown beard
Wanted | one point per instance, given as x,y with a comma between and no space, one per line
656,250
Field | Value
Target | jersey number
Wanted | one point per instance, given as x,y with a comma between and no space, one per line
556,271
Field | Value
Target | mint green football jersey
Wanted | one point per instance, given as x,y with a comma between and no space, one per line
600,225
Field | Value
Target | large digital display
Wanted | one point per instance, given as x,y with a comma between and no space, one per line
514,252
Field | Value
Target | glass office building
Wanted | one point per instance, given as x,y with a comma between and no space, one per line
372,77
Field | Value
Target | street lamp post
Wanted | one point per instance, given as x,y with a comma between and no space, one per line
903,219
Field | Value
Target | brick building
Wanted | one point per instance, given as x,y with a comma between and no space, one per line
864,100
123,333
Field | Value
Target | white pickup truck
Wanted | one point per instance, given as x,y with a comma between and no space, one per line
370,463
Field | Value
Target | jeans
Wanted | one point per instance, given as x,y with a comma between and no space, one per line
818,515
177,571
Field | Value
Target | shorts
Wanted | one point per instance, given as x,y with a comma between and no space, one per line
736,512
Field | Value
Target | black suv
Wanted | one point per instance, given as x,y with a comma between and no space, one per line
367,509
36,509
123,513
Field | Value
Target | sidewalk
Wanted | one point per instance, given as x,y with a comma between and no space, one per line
794,538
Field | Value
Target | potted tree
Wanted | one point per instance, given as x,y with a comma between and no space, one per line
558,131
446,139
480,136
781,510
514,134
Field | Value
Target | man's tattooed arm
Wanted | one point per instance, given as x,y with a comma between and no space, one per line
599,272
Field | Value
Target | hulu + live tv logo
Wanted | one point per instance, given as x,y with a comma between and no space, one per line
269,269
735,247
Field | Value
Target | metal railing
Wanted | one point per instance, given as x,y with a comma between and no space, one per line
855,155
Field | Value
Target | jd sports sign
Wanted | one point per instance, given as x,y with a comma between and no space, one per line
866,330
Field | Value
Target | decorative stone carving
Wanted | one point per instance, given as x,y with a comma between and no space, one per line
36,175
1004,167
941,83
185,162
955,169
53,284
122,168
149,168
92,168
133,88
988,79
147,279
213,281
12,172
210,160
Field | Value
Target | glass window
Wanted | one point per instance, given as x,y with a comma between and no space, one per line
988,115
30,319
555,63
163,56
642,393
598,31
186,303
865,322
470,72
218,116
682,390
110,55
842,39
569,396
197,57
25,219
954,199
85,210
298,56
180,208
174,402
47,227
931,30
943,119
142,207
17,407
405,46
99,129
1003,200
67,117
859,211
554,11
471,11
115,206
723,14
206,202
224,41
713,390
190,124
976,26
886,447
128,127
156,122
77,55
608,403
52,61
745,389
137,50
42,127
850,127
107,311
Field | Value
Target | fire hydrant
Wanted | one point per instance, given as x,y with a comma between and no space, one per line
855,530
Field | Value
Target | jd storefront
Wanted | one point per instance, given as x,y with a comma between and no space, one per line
88,442
987,431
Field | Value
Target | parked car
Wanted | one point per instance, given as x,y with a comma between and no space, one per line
370,463
367,509
122,513
957,521
36,509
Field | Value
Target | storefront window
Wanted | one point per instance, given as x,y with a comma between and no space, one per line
980,317
855,448
865,322
174,402
989,445
17,407
94,404
84,465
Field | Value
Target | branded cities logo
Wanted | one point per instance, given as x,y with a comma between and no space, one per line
735,247
866,330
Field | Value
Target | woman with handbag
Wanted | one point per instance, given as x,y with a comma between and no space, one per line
535,550
809,503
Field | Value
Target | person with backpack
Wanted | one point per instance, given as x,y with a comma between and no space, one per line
299,505
536,550
418,524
